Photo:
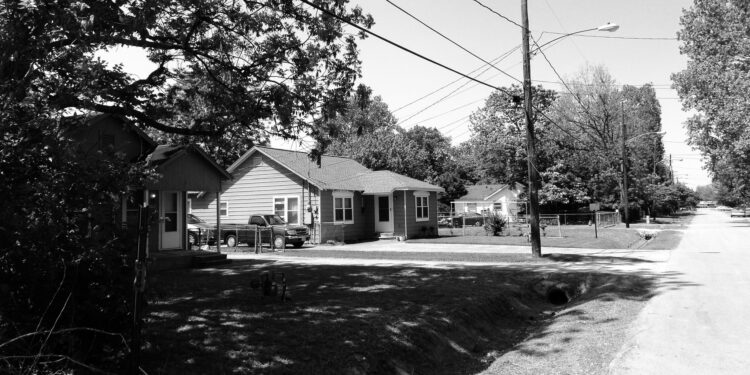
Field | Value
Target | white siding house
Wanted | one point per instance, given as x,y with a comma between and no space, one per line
483,199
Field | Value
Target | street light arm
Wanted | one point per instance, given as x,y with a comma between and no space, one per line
560,37
606,27
642,134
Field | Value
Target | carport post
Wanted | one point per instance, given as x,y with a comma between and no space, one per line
218,220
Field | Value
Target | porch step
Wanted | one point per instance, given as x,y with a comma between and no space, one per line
386,236
209,260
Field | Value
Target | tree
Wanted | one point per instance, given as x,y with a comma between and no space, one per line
715,85
225,74
706,192
368,132
588,133
238,70
498,135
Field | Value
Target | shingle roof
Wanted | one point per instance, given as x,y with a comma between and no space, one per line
164,153
384,182
480,192
338,173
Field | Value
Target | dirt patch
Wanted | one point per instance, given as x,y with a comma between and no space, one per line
583,337
356,320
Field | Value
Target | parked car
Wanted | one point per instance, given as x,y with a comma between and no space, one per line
272,228
199,232
468,219
740,212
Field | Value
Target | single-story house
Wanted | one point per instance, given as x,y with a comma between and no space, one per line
338,199
179,169
491,198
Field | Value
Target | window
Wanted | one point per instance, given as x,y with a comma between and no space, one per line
497,206
422,206
343,208
170,212
471,207
257,220
224,209
132,207
287,208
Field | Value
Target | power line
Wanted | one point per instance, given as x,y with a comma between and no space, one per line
495,60
563,27
364,30
452,110
427,58
451,40
500,15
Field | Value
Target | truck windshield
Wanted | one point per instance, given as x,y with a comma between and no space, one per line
274,220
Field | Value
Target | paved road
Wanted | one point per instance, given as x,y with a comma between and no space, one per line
700,322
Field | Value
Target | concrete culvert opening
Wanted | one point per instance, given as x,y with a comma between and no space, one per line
557,296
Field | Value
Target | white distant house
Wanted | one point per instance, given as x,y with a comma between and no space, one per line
492,198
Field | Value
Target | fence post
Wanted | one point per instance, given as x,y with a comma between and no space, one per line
596,232
559,227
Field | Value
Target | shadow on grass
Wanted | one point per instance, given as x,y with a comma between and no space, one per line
363,319
594,259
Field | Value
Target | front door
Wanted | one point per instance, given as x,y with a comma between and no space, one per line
170,220
384,213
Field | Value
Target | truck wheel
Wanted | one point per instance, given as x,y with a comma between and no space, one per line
231,240
279,242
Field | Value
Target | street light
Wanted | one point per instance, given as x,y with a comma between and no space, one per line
610,27
536,243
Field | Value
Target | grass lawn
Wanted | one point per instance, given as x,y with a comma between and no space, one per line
578,236
362,319
575,236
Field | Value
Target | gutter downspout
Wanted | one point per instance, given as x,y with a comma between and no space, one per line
406,228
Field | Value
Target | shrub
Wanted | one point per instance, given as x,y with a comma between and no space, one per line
494,224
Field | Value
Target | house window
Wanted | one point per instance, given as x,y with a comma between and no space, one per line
497,206
287,208
422,206
471,207
224,209
343,208
132,207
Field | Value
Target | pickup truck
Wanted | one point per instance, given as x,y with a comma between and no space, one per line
272,227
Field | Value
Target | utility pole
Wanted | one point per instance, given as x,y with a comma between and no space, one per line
624,193
536,243
671,171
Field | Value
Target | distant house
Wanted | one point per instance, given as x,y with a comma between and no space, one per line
180,169
339,200
494,198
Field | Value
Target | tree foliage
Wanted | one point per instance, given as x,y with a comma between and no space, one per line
715,83
225,74
368,132
498,135
589,133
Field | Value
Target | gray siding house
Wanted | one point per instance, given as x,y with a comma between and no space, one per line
339,200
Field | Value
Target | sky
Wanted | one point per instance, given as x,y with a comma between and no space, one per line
401,78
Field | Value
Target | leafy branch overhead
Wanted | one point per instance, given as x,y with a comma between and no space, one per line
275,67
